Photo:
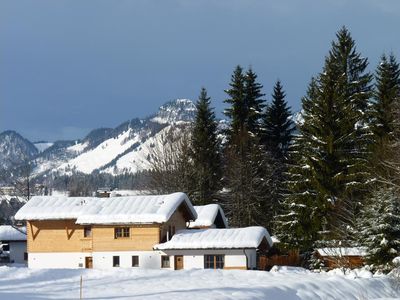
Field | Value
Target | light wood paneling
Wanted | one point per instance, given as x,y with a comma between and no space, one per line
142,238
235,268
66,236
177,222
54,236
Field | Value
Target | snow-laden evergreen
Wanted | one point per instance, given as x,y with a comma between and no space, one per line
329,175
380,228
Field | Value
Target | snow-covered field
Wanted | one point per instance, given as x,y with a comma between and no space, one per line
292,284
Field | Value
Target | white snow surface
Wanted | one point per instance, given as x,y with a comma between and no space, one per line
138,159
10,233
114,210
206,215
104,153
344,251
117,283
248,237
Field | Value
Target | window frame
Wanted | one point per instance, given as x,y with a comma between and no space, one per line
122,232
115,259
214,261
135,257
165,258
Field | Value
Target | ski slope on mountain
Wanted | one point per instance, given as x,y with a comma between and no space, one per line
104,153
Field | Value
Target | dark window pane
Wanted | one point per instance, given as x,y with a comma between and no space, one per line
135,261
87,231
165,261
115,261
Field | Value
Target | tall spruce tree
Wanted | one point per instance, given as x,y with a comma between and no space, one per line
277,125
205,152
237,112
330,154
254,101
383,111
247,170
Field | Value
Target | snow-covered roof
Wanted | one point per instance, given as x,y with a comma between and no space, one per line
343,251
118,210
212,238
10,233
275,239
206,215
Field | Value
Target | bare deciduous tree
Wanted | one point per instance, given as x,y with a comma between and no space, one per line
170,165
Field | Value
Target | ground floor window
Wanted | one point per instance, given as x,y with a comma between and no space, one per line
115,261
214,261
165,261
135,261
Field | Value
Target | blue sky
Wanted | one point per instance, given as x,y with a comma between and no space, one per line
67,67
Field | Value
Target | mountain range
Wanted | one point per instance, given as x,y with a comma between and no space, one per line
124,149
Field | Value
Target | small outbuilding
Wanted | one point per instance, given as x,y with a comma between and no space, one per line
227,248
13,244
351,257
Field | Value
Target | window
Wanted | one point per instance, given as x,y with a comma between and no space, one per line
87,231
135,261
121,232
165,261
214,261
115,261
25,256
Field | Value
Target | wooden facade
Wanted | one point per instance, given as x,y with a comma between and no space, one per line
332,262
67,236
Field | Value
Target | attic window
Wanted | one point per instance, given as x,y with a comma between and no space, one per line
121,232
87,231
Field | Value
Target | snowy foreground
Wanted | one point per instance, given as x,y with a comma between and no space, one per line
24,283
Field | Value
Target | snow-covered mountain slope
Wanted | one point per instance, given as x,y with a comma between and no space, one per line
115,150
15,150
183,110
41,146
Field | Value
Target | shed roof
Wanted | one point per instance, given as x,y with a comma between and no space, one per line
206,215
212,238
342,251
118,210
11,233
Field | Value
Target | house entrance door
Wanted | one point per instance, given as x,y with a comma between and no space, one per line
88,262
178,262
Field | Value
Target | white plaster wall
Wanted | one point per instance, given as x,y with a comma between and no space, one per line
252,258
67,260
17,250
194,259
147,259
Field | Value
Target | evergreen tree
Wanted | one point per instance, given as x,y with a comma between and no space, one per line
205,152
383,112
249,186
254,102
380,228
246,103
330,154
238,110
247,169
277,126
297,224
